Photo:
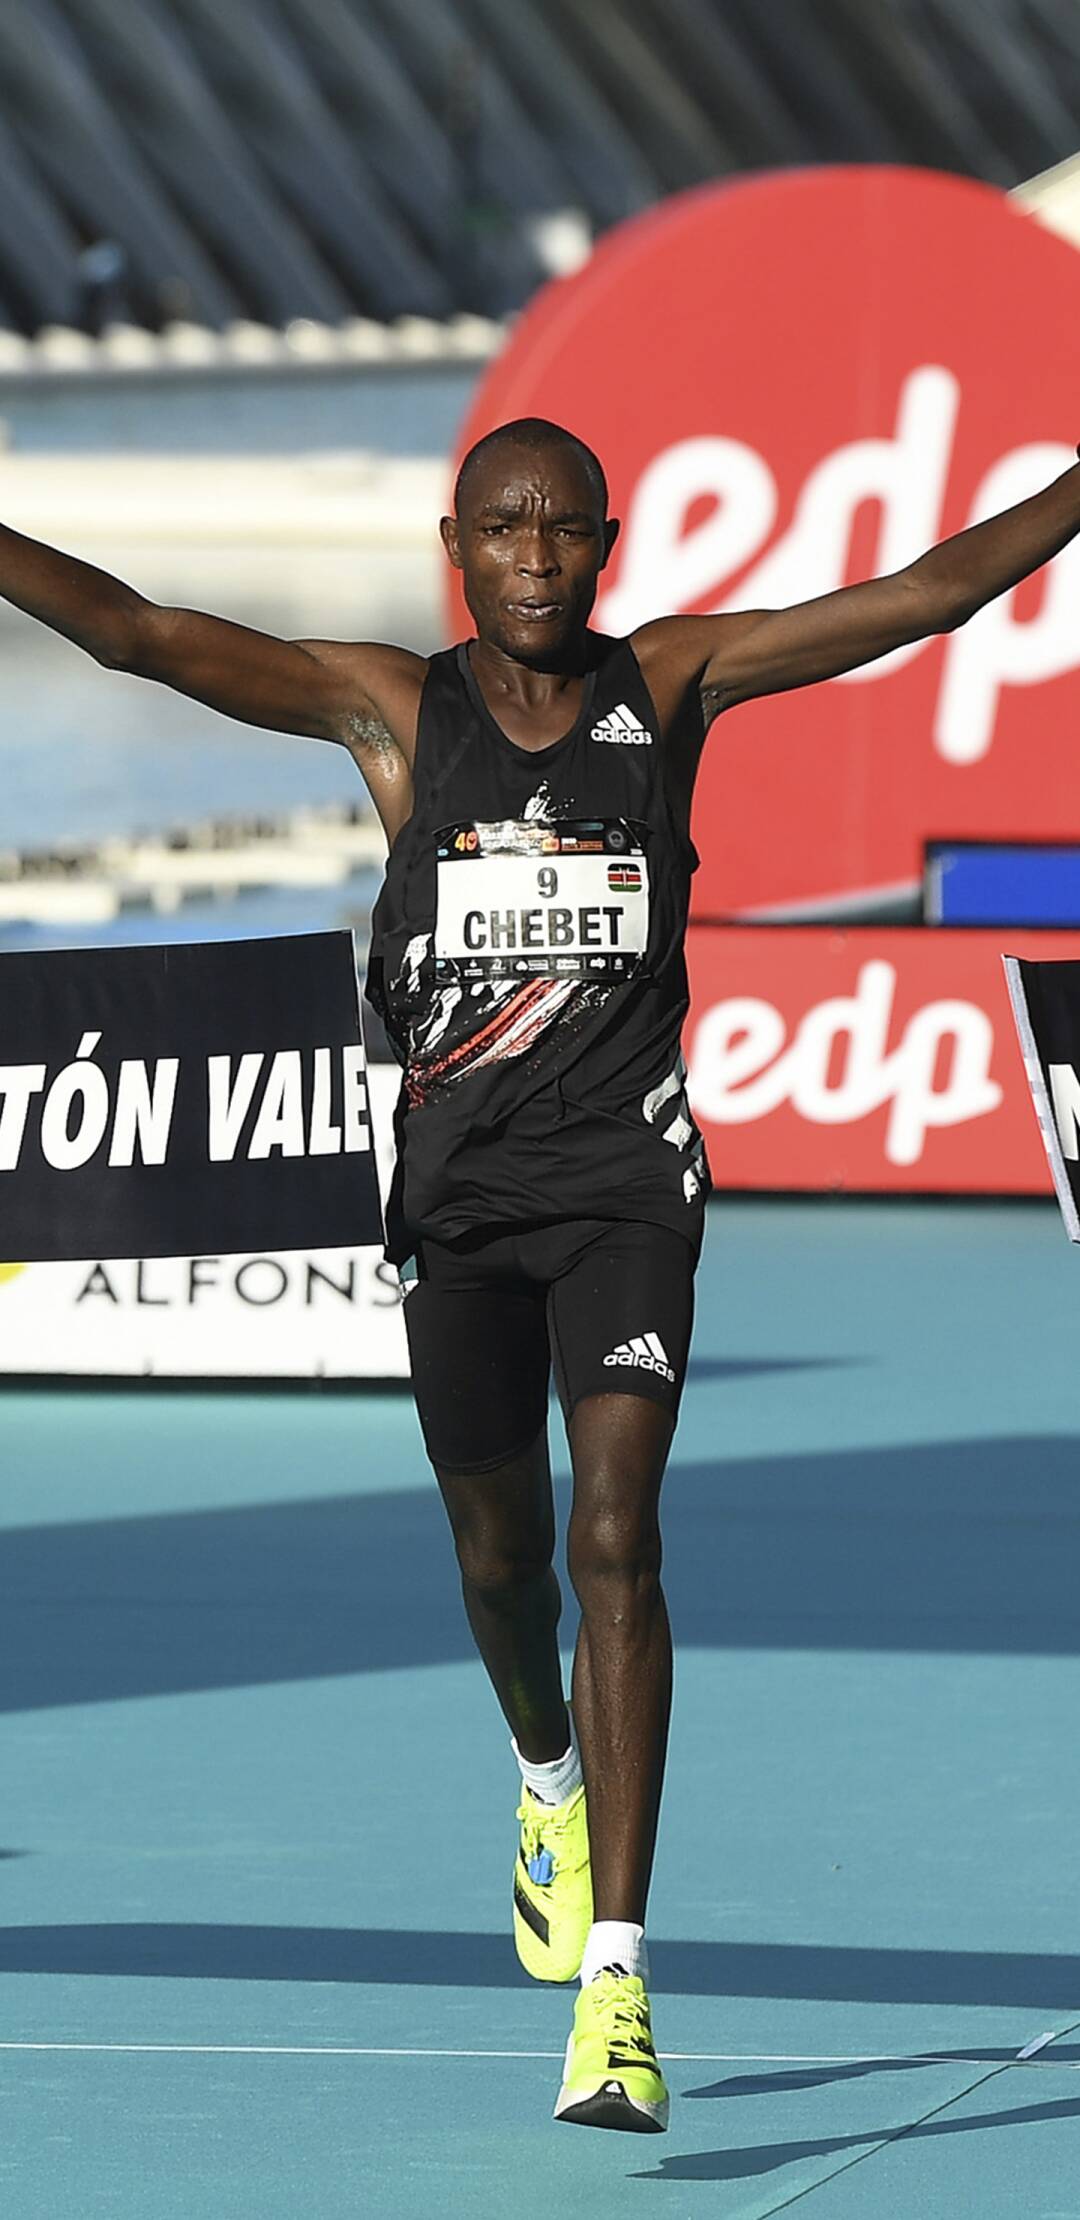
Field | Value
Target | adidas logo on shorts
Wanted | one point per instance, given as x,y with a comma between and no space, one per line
622,725
647,1351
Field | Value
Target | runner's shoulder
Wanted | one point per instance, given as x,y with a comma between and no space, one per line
674,654
374,683
372,665
680,646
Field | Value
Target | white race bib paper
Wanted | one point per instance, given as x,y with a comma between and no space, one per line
520,899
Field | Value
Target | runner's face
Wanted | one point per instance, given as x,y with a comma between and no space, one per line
530,542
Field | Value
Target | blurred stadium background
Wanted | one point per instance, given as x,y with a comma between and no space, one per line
254,258
334,159
254,261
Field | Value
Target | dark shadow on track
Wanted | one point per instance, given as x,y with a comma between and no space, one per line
742,2165
433,1959
954,1547
858,2069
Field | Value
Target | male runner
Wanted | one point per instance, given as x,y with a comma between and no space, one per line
527,956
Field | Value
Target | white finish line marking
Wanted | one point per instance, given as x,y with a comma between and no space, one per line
673,2057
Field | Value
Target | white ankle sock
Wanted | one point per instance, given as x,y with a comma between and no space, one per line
555,1782
615,1942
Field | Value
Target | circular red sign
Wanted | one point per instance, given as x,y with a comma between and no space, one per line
795,381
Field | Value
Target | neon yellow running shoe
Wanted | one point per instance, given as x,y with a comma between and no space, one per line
553,1902
611,2078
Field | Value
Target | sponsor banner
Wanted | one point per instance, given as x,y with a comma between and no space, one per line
867,1060
835,390
1045,1001
164,1099
305,1313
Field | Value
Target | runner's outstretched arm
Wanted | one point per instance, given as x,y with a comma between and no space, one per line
767,651
362,696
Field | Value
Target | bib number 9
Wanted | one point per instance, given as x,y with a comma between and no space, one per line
540,902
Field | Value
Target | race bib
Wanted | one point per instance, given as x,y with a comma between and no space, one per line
521,900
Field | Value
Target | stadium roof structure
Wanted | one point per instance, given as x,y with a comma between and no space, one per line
264,164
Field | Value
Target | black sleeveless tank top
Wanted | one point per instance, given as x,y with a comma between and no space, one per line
527,962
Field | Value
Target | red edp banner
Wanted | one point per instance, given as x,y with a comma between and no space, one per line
794,381
866,1060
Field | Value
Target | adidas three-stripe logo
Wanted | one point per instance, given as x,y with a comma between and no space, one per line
622,725
644,1350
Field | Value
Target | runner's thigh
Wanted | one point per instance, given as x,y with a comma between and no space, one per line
480,1361
620,1316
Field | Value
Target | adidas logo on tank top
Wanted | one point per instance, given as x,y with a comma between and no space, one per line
646,1351
622,725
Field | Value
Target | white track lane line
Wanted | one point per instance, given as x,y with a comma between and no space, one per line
672,2057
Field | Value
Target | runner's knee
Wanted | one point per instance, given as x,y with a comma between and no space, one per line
614,1555
498,1556
495,1572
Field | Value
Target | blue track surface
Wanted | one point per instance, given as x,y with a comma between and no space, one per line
263,1946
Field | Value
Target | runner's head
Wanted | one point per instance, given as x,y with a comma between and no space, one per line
530,536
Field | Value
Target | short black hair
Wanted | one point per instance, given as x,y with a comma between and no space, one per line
535,433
